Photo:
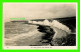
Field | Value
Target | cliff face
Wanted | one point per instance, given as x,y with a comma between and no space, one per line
69,22
61,37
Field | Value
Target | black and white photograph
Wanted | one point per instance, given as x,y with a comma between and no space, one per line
40,25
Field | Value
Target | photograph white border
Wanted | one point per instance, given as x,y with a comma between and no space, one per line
45,47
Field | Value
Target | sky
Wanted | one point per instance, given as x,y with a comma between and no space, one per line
38,10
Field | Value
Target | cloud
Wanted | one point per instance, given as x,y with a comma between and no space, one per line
38,10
